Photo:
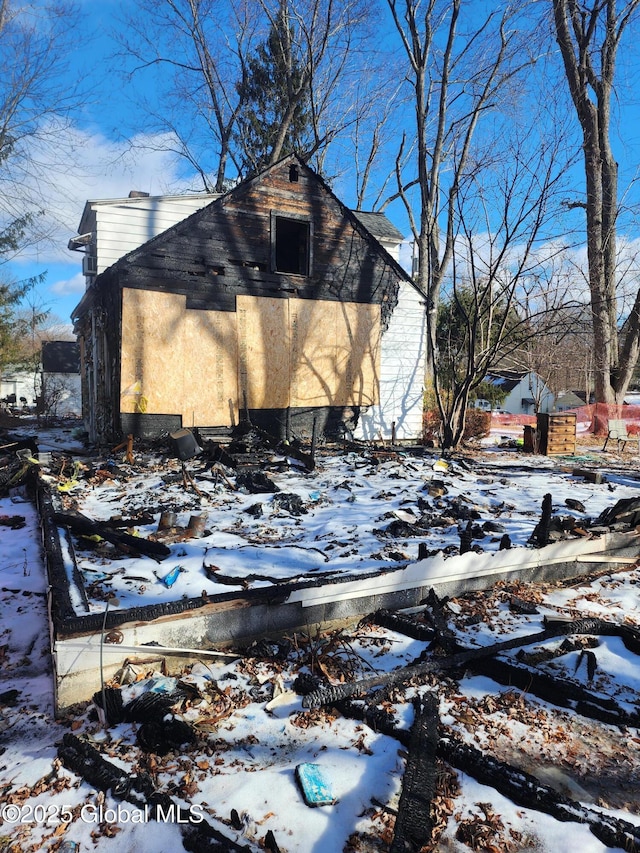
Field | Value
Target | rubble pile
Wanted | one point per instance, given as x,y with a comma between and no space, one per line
576,717
287,515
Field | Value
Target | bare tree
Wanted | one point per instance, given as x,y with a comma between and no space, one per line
589,36
194,52
555,301
372,136
491,288
477,181
457,73
199,54
36,101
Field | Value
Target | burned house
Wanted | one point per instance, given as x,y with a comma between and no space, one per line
273,301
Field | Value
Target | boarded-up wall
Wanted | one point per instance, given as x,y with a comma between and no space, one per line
279,353
178,361
302,353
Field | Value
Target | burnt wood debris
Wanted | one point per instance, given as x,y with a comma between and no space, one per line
413,824
423,741
522,788
140,790
123,541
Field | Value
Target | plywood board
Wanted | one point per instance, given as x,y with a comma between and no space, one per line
152,354
178,361
210,380
263,351
334,353
358,331
314,377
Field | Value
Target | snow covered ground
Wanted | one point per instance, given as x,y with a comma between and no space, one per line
248,729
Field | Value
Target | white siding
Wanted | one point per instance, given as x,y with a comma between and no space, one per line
393,247
402,367
121,225
62,393
530,387
20,383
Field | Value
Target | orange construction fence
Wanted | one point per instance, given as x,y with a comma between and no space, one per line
593,418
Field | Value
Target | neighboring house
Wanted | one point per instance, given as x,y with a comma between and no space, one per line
274,300
61,387
566,400
384,231
18,385
526,391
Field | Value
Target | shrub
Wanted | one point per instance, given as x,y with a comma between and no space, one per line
477,425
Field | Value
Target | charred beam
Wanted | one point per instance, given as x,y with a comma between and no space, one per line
520,787
87,763
525,790
402,623
555,690
124,541
413,825
334,693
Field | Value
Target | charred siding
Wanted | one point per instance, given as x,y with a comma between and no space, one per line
226,250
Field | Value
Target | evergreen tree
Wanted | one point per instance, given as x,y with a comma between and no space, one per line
275,119
14,329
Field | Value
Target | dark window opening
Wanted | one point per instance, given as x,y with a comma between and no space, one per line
292,246
293,173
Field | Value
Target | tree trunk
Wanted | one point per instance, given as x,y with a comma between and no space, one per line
590,71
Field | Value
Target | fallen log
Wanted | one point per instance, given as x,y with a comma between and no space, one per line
124,541
414,825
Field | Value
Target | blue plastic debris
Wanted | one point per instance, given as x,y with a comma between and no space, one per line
172,577
162,684
315,787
